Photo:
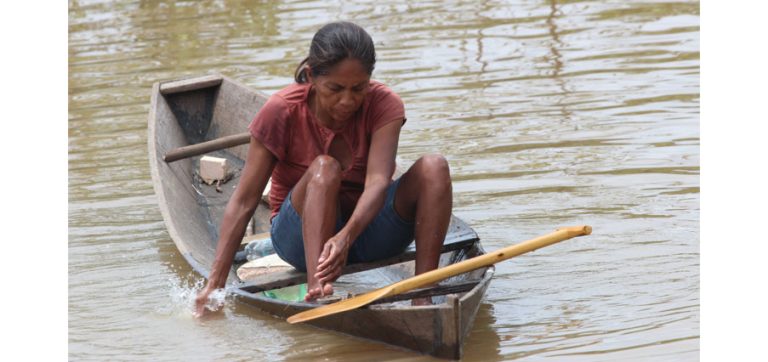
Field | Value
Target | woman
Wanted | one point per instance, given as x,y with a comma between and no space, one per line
329,143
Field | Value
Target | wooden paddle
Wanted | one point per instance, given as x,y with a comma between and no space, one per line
441,273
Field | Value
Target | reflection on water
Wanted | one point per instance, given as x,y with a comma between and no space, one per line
550,113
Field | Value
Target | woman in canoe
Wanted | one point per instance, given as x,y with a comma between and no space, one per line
329,143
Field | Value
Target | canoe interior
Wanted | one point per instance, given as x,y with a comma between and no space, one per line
192,210
217,106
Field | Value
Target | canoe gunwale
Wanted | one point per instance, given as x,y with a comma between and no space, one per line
152,135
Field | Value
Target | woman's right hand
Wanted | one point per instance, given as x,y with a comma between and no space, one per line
332,259
201,302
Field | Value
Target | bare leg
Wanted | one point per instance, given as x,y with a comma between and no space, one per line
316,198
425,195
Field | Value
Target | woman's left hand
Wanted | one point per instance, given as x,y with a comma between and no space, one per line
332,258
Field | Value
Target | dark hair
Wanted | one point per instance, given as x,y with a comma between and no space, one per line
333,43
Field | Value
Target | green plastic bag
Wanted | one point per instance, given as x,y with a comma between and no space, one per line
294,293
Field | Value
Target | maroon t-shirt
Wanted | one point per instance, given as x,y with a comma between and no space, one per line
287,128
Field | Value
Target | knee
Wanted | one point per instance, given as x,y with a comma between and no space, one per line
326,171
435,170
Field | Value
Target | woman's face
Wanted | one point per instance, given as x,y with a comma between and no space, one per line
340,93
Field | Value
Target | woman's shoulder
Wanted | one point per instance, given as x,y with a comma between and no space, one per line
283,105
379,91
382,106
376,86
293,94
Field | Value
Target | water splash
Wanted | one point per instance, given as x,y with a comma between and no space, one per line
217,300
182,293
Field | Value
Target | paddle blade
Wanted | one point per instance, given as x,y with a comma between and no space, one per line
342,306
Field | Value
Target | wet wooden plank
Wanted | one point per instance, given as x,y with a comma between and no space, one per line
186,85
208,146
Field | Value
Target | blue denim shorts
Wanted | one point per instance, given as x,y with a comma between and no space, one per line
386,236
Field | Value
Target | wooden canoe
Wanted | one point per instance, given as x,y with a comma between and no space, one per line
190,111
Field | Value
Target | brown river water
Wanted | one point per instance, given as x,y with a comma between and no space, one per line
550,113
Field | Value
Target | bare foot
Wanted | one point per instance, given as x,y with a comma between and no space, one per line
317,291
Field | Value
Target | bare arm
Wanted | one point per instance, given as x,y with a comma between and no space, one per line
240,208
381,166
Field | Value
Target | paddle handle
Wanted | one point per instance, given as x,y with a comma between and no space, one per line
208,146
489,258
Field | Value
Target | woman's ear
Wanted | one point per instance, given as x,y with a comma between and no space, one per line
308,73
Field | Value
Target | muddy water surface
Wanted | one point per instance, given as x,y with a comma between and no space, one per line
550,113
